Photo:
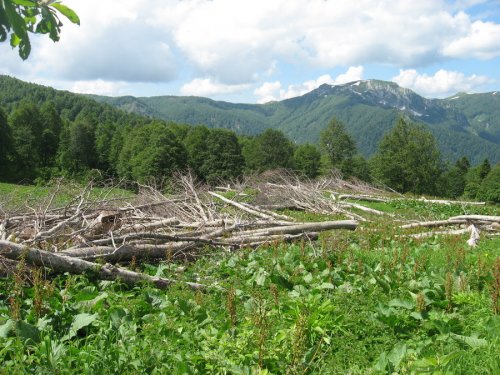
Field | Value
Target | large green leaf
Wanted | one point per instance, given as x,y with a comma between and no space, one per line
7,328
80,321
24,47
52,24
472,341
26,3
403,303
28,332
397,354
67,12
16,21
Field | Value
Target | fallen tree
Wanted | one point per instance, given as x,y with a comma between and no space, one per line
60,264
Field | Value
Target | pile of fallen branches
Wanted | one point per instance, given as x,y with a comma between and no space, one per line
94,229
148,226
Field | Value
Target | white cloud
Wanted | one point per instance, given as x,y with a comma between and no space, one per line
233,40
482,41
99,87
270,91
209,87
267,92
443,83
354,73
237,42
113,43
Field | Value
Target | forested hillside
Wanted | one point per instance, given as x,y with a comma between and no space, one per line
468,125
47,133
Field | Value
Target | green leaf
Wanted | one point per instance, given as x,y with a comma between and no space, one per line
67,12
51,24
308,278
16,21
7,328
261,278
397,354
25,3
14,40
327,286
25,47
381,363
118,316
473,342
80,321
405,304
28,332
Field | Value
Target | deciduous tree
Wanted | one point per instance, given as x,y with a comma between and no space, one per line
269,150
151,151
307,160
338,145
408,159
19,18
5,146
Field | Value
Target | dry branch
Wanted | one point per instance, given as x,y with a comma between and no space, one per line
492,219
61,264
251,211
436,223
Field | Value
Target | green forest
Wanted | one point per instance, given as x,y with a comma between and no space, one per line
47,133
181,235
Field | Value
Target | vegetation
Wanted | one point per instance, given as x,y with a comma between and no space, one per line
18,18
408,159
352,302
337,145
50,133
464,125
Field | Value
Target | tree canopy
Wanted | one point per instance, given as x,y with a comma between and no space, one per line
338,145
19,18
408,159
490,186
307,160
151,151
269,150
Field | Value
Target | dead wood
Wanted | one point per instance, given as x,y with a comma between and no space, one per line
436,223
477,218
305,227
61,264
241,207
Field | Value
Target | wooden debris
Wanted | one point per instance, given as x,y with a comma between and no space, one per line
61,264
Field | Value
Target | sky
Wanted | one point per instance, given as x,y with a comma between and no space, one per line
255,51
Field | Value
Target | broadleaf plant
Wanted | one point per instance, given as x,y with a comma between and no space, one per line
19,18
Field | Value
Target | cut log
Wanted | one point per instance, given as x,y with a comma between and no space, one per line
454,232
448,202
477,218
241,207
61,264
363,208
150,226
125,253
367,198
431,224
305,227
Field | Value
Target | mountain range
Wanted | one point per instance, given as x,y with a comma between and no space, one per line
464,124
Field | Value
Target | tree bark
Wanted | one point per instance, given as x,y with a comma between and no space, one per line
61,264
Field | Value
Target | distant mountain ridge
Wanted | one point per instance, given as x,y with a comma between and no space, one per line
464,124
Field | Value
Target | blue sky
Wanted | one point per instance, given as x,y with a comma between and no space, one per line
261,50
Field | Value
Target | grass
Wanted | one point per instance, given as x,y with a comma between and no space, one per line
14,196
363,302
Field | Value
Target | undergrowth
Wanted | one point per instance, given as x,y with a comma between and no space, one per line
353,302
